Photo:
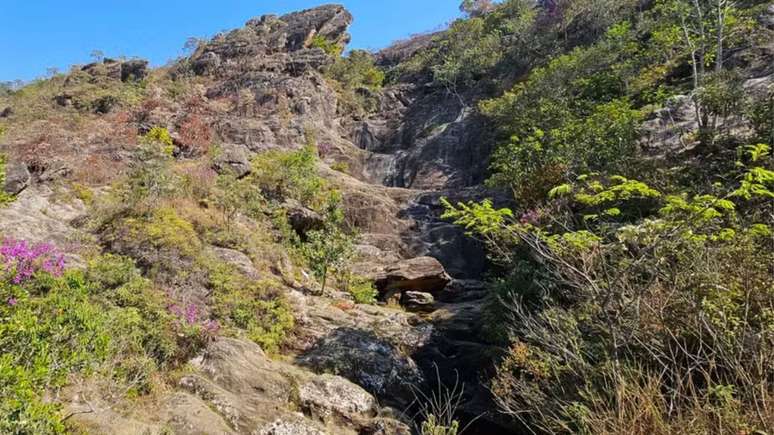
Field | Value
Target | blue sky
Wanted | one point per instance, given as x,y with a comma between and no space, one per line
39,34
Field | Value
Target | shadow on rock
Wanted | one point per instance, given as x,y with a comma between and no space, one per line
377,365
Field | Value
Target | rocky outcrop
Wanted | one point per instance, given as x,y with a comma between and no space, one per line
368,360
275,44
130,70
235,388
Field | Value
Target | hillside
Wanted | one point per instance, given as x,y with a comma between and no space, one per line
552,217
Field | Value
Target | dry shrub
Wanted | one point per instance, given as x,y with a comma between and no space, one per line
643,409
97,169
194,136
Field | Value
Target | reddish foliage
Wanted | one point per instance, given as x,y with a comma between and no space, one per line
194,136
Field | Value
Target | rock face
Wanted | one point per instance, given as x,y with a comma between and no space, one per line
271,67
368,360
235,388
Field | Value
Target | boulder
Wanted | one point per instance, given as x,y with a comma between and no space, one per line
289,427
130,70
302,219
134,70
368,360
233,158
64,100
418,301
6,112
328,396
17,178
421,274
104,105
237,259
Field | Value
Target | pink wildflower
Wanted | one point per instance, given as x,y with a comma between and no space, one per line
22,260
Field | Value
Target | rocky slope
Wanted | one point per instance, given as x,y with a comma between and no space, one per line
350,368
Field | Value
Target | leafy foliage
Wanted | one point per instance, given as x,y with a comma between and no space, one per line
331,48
637,283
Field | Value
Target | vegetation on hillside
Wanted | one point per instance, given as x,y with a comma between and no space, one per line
636,289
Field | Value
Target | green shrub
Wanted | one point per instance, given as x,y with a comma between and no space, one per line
161,136
290,174
327,251
329,47
164,229
358,69
253,308
363,291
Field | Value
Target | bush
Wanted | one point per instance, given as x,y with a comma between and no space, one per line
160,136
289,174
696,269
358,69
331,48
249,307
363,291
327,251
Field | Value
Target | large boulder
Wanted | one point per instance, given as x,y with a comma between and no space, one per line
302,219
370,361
17,178
421,274
418,301
233,158
128,70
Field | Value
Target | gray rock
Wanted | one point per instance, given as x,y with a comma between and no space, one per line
328,396
463,290
233,158
418,301
767,18
302,219
17,178
239,260
422,274
368,360
289,427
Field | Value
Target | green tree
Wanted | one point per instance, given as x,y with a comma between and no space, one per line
326,250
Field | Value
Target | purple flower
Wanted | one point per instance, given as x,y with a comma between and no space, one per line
12,301
22,260
191,313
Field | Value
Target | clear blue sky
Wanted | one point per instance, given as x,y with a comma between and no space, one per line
38,34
